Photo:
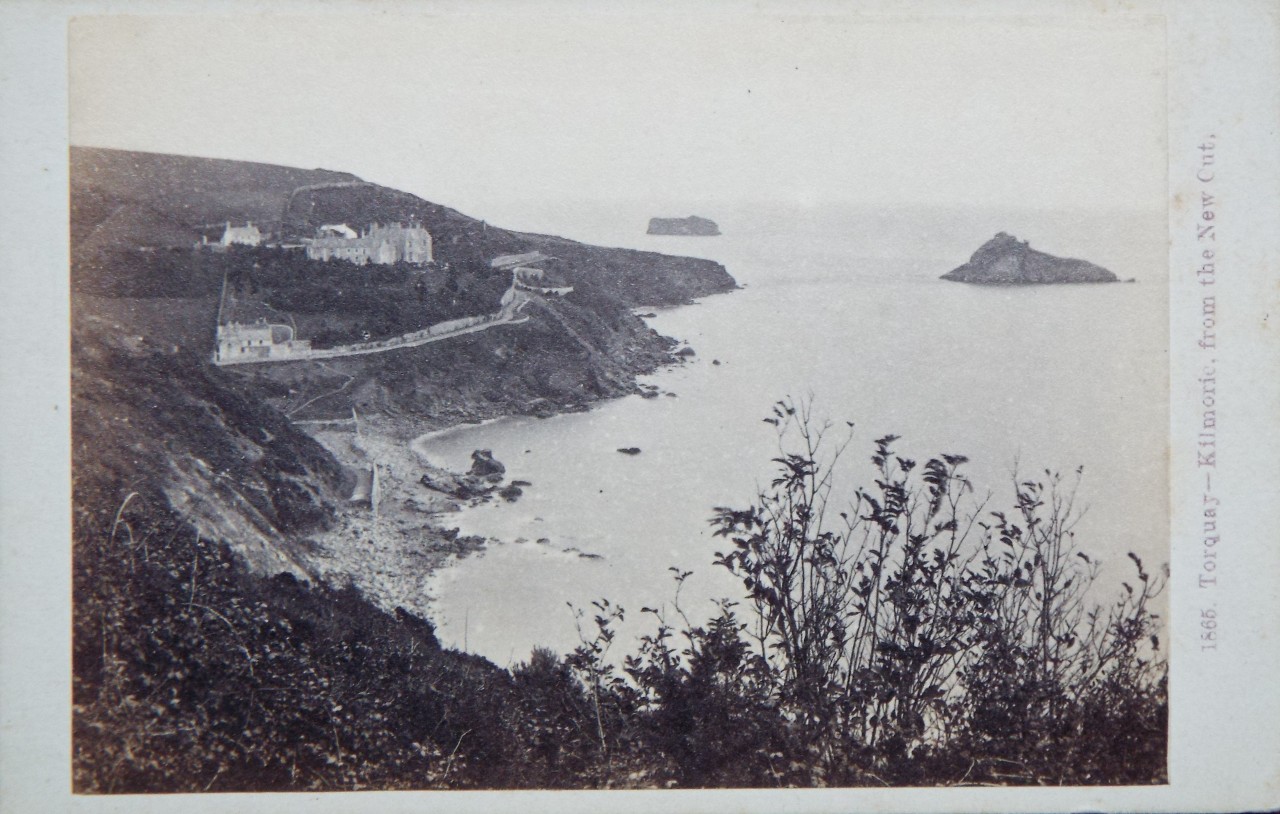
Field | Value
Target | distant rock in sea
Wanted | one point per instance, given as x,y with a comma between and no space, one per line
1005,260
692,225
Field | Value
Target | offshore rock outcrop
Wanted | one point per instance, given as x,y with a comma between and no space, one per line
1005,260
692,225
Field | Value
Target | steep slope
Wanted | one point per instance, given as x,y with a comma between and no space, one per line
125,205
174,432
195,192
214,646
153,417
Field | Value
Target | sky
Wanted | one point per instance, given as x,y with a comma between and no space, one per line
481,111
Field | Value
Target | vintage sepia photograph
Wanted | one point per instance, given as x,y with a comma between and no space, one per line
775,406
618,403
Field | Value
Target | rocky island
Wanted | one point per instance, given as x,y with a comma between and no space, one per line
690,226
1005,260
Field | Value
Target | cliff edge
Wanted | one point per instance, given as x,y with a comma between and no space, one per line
1005,260
223,447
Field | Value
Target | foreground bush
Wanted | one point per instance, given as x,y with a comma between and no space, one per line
917,637
914,636
191,675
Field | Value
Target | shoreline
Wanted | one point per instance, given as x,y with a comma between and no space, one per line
393,557
444,431
388,554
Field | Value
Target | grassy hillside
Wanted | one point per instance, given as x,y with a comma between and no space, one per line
191,191
164,426
208,656
136,219
214,649
192,675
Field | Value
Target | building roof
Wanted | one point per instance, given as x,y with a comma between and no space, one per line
509,260
339,228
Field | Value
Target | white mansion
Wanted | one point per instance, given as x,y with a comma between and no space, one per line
377,244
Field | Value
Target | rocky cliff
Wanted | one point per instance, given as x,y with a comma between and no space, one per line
1005,260
152,415
219,644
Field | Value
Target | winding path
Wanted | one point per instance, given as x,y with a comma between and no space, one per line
504,316
288,204
513,301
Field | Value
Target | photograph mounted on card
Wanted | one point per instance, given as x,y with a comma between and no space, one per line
722,399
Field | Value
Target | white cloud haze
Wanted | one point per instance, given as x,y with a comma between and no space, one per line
476,110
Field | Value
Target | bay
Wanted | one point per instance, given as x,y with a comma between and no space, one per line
853,318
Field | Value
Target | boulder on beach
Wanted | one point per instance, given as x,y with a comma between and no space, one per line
1005,260
459,487
484,465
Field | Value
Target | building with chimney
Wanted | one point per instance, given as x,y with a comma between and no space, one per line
247,235
257,342
378,244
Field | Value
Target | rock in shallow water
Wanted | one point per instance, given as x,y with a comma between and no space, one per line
484,465
460,487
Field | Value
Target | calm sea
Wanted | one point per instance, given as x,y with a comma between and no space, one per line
843,306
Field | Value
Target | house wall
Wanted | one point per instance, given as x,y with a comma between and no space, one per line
261,340
247,235
379,244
